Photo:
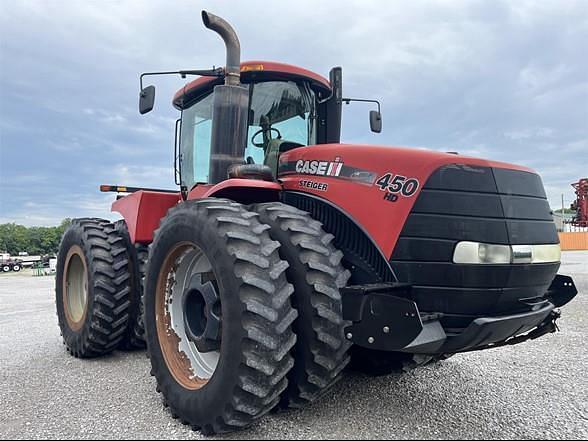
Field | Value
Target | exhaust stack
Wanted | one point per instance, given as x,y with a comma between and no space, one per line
229,36
230,106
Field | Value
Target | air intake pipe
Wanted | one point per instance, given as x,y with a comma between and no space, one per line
230,106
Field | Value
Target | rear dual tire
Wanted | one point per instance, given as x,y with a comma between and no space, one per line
137,254
92,288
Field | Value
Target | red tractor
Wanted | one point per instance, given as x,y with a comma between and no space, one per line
580,206
286,255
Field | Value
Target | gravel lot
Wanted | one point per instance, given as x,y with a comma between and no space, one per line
536,390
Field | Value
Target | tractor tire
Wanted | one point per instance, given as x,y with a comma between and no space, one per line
142,252
218,316
315,270
134,337
16,268
92,288
6,268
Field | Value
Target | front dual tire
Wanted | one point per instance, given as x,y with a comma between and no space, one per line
316,272
218,316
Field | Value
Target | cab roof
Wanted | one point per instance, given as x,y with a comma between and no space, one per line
253,71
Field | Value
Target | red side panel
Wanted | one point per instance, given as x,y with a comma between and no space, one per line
142,212
347,176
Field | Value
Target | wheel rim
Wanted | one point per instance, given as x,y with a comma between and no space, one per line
75,288
188,312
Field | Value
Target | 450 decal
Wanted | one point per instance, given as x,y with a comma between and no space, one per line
395,185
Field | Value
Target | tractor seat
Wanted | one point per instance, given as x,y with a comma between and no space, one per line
259,172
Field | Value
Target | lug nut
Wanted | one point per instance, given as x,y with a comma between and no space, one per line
349,336
371,340
386,330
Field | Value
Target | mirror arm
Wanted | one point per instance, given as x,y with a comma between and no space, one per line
360,100
218,72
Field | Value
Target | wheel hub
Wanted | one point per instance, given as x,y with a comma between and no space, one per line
202,313
188,308
75,288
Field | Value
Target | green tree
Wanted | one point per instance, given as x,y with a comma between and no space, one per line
33,240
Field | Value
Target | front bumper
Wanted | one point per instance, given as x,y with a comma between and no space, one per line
384,318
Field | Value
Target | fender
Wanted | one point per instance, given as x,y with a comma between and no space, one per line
244,191
151,206
363,257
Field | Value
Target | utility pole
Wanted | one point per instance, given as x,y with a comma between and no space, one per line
563,219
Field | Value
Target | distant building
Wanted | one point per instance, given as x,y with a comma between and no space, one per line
562,222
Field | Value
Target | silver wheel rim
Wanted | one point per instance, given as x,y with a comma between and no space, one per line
76,288
189,263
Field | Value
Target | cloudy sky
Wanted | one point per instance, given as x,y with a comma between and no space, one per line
506,80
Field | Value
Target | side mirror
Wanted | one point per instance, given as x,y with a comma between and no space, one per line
146,100
376,121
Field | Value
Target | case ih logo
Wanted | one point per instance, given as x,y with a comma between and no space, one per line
319,168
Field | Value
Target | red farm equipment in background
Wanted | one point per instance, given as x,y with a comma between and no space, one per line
581,204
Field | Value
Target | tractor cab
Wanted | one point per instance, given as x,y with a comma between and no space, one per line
287,107
284,112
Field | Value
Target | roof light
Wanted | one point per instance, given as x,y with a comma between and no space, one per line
251,67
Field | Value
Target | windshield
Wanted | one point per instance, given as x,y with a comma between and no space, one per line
279,110
280,113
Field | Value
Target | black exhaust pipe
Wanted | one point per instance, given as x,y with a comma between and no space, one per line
230,106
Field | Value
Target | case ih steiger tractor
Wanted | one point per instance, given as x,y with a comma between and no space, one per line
285,255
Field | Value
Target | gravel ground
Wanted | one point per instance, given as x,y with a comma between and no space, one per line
536,390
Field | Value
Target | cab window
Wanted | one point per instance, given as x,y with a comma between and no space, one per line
279,112
280,109
195,142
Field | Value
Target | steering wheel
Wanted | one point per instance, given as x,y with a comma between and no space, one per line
261,144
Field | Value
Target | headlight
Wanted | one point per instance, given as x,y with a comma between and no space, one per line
480,253
476,253
546,253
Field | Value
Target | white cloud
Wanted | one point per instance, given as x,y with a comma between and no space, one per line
504,80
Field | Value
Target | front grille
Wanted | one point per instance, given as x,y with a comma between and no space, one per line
479,204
